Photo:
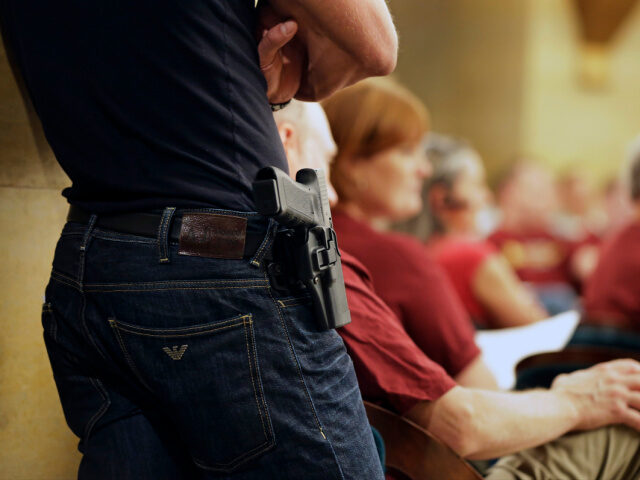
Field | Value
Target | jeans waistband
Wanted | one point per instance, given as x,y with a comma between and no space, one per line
198,232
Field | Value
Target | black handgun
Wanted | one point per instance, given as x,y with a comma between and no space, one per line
303,208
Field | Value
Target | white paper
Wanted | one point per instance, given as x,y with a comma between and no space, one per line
502,349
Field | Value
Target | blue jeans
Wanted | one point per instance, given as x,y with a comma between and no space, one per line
171,366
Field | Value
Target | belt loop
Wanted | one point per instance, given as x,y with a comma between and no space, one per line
83,247
163,235
266,243
85,240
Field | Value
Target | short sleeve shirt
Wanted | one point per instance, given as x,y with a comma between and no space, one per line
416,289
461,259
537,257
391,368
612,294
148,103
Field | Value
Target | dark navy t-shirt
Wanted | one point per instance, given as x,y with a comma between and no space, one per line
148,103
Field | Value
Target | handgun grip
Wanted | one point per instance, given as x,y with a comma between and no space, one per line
290,203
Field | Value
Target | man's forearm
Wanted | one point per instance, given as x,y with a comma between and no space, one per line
346,41
481,424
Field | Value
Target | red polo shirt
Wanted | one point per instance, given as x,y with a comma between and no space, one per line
612,294
537,257
416,289
391,368
461,258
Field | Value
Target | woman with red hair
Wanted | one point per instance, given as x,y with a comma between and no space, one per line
378,172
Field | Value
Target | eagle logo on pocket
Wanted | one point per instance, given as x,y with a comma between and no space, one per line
175,352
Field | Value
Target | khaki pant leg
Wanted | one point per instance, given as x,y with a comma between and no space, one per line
608,453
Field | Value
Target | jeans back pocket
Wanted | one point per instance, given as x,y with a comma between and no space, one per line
208,380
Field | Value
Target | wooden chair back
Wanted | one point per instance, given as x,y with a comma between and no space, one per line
412,453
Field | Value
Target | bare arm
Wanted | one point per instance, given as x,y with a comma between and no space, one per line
498,289
477,375
345,41
484,424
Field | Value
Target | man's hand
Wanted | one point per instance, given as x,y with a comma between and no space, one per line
605,394
338,43
282,57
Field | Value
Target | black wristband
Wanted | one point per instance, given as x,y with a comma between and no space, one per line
279,106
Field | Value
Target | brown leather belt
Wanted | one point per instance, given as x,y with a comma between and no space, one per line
201,233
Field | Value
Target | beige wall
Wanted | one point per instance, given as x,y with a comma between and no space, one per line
36,444
502,74
464,59
563,123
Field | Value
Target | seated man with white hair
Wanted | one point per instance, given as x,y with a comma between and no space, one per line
478,424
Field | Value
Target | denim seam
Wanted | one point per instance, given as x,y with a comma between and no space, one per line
85,327
68,284
245,457
117,237
253,383
304,385
298,368
184,282
133,328
125,352
101,411
175,335
260,387
172,288
54,273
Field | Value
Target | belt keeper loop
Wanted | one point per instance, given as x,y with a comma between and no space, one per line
266,243
163,235
90,225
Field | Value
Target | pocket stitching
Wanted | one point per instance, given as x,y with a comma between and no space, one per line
268,443
125,352
257,390
197,330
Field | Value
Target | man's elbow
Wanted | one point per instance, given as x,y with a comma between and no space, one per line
462,436
384,56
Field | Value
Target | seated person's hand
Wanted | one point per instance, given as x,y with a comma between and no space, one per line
607,393
282,56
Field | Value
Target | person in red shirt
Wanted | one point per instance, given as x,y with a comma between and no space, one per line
456,195
379,179
612,294
476,423
527,199
419,293
392,370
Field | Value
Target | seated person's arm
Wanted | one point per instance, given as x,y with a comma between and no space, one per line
500,291
344,41
481,424
437,322
476,375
